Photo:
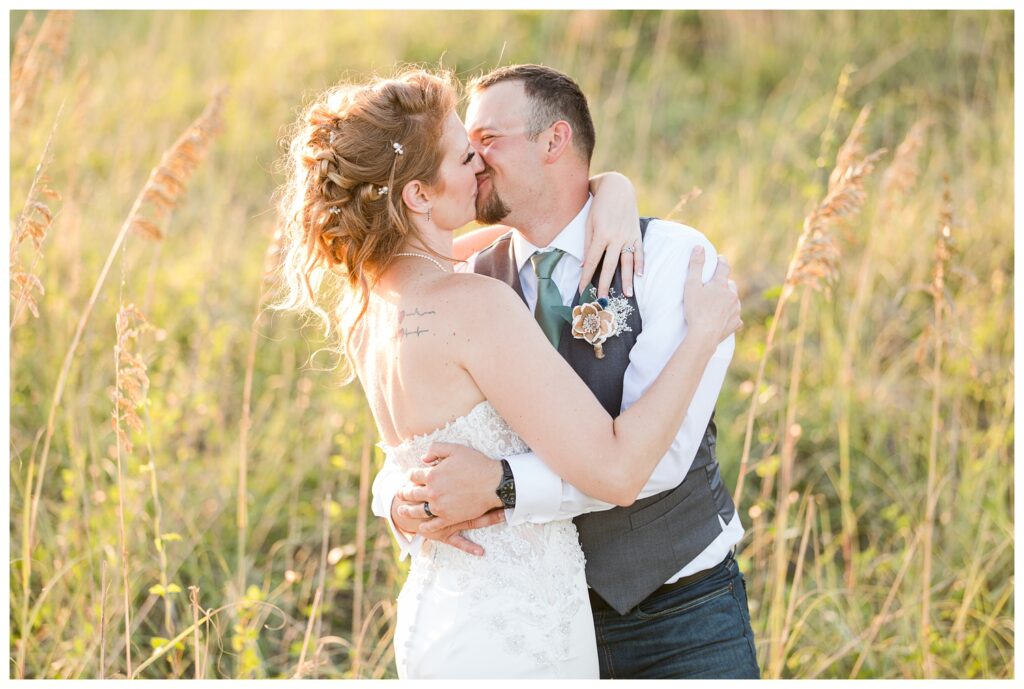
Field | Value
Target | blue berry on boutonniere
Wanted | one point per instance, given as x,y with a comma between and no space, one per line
603,301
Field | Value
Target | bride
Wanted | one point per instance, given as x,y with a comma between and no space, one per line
380,177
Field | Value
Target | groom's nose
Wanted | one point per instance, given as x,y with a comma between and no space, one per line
478,147
487,169
479,164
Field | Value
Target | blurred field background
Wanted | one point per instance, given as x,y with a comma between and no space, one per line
231,521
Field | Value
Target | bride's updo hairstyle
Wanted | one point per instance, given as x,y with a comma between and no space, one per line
350,154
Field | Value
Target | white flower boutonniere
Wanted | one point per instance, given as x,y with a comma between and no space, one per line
597,320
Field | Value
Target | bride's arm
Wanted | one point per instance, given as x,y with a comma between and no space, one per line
465,245
555,413
613,225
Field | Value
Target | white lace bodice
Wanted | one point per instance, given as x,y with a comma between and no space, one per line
481,428
526,589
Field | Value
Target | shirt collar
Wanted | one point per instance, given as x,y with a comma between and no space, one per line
570,239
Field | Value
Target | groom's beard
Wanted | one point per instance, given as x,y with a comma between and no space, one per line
492,209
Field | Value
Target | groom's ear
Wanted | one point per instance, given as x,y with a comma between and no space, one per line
559,140
416,196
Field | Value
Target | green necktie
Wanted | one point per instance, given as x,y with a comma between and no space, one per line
548,295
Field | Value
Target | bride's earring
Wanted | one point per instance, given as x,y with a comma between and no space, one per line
428,215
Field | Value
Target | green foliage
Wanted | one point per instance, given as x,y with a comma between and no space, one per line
735,103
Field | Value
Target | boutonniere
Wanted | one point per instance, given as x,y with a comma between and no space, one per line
598,319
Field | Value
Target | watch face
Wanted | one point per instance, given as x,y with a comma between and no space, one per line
507,493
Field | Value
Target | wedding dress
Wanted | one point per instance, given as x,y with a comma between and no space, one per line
521,610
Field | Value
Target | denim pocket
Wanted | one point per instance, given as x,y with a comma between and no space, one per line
678,601
744,607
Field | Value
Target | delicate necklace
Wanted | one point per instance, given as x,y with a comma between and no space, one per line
429,258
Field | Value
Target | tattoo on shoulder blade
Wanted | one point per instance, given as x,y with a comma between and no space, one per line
402,331
403,313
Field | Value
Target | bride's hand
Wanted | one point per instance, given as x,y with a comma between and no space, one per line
613,225
713,308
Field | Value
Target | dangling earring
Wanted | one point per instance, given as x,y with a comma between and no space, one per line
428,215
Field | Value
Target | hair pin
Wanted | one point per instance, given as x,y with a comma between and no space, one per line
334,211
398,148
382,191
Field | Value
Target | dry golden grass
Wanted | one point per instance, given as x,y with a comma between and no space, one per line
37,59
877,415
815,261
32,223
161,192
943,253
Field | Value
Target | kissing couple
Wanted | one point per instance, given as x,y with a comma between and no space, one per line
549,446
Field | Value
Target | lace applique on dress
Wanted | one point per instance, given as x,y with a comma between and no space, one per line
528,588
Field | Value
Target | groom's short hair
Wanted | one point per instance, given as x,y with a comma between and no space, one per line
553,96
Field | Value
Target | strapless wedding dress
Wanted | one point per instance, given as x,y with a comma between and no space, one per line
521,610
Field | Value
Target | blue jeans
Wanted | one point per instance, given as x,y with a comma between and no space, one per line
701,630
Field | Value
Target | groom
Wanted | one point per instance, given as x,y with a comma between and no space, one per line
667,596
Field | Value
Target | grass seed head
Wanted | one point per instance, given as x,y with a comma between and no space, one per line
169,179
37,61
944,244
131,381
816,261
901,175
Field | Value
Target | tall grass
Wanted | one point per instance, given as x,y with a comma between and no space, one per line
867,425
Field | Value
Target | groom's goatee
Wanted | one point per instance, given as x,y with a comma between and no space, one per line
492,209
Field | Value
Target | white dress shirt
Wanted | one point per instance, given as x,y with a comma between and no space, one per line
541,495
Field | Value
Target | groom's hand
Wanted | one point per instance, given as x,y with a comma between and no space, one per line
440,530
458,482
411,518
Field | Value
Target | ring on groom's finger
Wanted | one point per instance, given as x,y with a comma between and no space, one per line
426,508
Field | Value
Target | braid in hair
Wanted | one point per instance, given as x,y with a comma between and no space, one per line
351,152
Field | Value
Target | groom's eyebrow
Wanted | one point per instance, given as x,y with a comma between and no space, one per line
483,128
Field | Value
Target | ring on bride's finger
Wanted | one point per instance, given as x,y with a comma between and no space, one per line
629,250
426,508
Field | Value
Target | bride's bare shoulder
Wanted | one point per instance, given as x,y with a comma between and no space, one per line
464,285
471,295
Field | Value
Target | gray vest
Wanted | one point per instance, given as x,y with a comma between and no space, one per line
631,551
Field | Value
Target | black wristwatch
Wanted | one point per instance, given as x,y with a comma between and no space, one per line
506,491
